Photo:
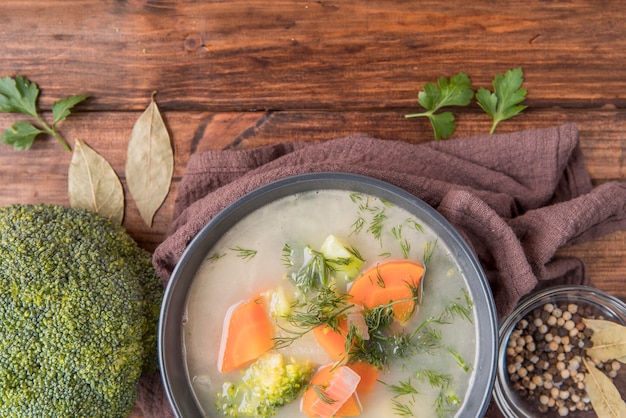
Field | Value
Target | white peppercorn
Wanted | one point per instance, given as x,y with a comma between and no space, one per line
544,358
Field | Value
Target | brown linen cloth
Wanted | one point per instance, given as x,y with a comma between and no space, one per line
516,198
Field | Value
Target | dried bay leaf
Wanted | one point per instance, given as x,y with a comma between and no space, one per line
608,338
94,185
605,398
149,162
597,325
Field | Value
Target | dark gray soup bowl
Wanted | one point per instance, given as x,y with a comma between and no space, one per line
170,338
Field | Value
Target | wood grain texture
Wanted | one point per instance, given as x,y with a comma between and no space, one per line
234,74
287,55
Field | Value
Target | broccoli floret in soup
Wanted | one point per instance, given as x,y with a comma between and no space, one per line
79,302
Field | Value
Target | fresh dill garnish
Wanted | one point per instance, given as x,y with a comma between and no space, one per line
379,279
355,253
378,317
314,273
460,307
216,256
459,360
416,225
405,246
401,409
287,253
429,250
325,307
403,388
358,225
356,197
427,338
384,344
320,391
368,209
338,261
244,253
433,378
377,223
446,399
445,402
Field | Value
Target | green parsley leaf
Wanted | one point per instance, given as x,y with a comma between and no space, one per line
61,109
443,124
504,102
456,91
19,95
21,135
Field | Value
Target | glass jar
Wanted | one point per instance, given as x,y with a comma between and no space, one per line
513,400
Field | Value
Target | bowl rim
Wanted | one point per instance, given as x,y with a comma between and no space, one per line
172,367
525,306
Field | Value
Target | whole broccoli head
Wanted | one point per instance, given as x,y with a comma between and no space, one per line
79,306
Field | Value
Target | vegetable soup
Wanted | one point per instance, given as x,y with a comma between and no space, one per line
330,303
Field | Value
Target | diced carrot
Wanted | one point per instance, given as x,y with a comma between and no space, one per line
247,334
333,342
350,408
338,384
369,377
390,282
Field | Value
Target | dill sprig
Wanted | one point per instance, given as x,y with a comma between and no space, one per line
216,256
325,307
459,360
461,306
356,197
445,402
379,317
377,223
287,254
375,213
358,225
416,225
402,409
405,246
355,252
383,344
320,391
403,388
446,399
314,273
244,253
433,378
429,250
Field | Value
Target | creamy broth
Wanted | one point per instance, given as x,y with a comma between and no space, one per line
229,275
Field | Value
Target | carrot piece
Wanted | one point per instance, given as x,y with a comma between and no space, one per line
389,282
369,377
333,342
247,334
339,384
350,408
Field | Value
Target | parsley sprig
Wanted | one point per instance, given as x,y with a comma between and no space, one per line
501,104
504,102
456,91
19,95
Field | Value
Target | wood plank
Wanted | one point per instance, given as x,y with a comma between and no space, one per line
294,55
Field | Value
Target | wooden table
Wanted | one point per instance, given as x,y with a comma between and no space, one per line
238,74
